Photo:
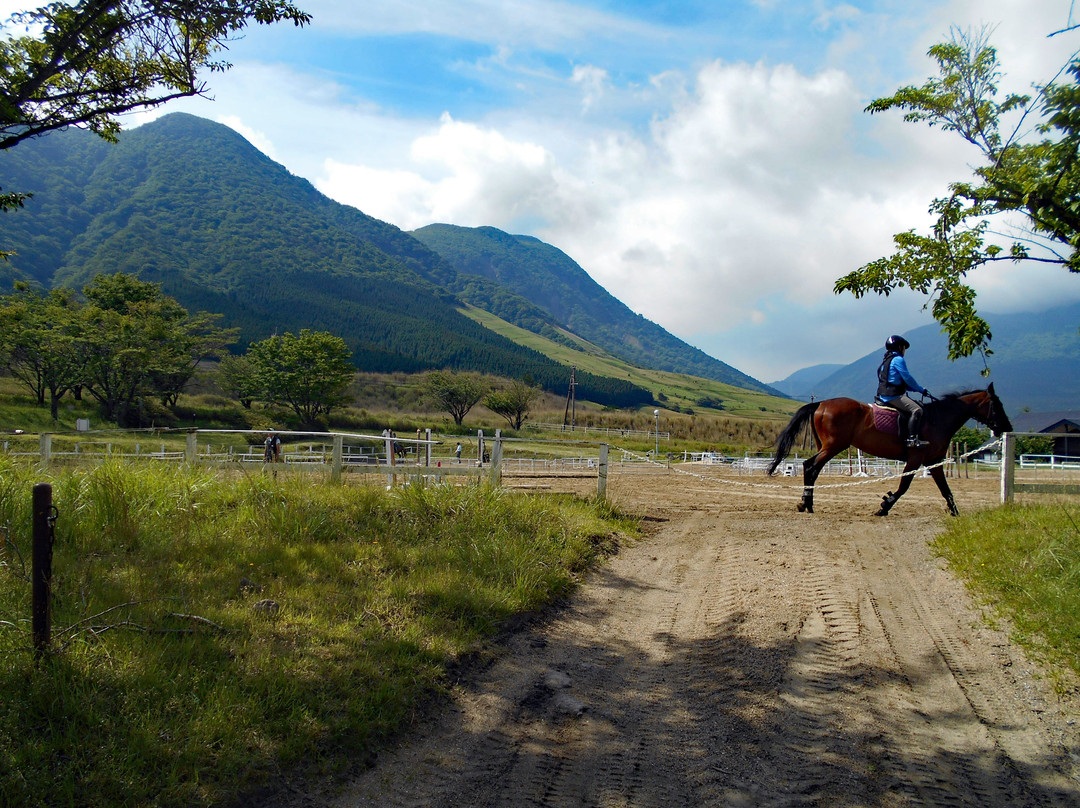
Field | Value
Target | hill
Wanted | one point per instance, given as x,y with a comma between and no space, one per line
192,205
1035,364
563,296
674,391
801,383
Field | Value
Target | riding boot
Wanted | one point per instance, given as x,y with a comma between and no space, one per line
914,425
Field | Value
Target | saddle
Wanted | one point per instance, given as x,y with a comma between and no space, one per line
886,419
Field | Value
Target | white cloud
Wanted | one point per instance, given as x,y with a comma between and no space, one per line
481,177
593,81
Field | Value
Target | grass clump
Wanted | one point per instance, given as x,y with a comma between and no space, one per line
211,631
1025,562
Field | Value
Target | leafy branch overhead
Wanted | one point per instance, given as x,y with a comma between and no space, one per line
85,63
1030,179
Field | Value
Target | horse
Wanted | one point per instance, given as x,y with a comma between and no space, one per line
838,423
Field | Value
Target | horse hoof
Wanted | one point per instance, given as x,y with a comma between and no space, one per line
801,507
881,512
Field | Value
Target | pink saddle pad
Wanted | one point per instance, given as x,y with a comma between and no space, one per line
886,419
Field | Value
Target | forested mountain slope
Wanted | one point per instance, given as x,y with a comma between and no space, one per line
191,204
554,283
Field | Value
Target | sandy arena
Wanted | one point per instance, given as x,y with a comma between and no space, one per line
742,654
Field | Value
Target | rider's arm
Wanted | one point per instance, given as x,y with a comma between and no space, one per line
900,366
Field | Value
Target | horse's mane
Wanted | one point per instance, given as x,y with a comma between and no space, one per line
962,393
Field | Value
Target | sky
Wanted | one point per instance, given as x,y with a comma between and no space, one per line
708,162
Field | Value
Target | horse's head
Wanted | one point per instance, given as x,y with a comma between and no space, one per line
990,411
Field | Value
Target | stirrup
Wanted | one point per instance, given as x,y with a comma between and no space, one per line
916,443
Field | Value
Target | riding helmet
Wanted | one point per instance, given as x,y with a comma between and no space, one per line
896,343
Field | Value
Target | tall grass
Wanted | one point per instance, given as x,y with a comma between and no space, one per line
211,632
1025,562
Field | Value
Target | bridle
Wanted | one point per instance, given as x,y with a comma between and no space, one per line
991,418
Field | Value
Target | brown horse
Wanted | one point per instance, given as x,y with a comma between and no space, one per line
838,423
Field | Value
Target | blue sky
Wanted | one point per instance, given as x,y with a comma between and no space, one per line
708,163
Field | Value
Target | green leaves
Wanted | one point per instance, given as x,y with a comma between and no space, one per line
96,59
309,372
128,341
1038,180
457,393
512,403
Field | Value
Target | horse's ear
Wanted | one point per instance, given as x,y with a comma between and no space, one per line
990,389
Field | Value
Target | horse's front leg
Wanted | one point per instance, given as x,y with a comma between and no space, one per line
890,498
938,473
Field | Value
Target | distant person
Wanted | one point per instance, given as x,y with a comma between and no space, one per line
894,382
272,447
457,453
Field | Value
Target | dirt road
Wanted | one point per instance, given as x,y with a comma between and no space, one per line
745,655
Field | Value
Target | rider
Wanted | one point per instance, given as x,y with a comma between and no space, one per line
894,380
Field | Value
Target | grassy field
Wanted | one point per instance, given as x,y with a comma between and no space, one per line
212,632
1024,562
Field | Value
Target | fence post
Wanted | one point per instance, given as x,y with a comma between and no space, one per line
41,569
427,446
601,475
496,459
1008,472
335,461
45,444
191,449
480,447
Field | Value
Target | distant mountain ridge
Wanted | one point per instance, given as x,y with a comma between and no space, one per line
801,383
1035,364
556,285
191,204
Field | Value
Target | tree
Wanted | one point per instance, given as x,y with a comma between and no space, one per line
85,63
512,403
310,372
42,344
237,379
457,393
141,342
1037,181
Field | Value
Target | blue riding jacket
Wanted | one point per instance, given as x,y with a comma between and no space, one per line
900,376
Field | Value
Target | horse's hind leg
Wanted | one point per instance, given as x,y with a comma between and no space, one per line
811,469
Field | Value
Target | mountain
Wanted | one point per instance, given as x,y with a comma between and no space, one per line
192,205
801,383
563,296
1035,364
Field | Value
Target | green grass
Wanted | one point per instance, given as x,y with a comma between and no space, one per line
1024,561
168,687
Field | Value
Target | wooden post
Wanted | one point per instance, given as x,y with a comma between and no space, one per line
45,444
427,447
1008,471
41,568
496,459
390,460
601,476
335,463
480,447
191,449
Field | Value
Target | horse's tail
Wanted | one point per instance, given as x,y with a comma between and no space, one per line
790,433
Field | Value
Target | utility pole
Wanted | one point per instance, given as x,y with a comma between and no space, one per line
571,401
